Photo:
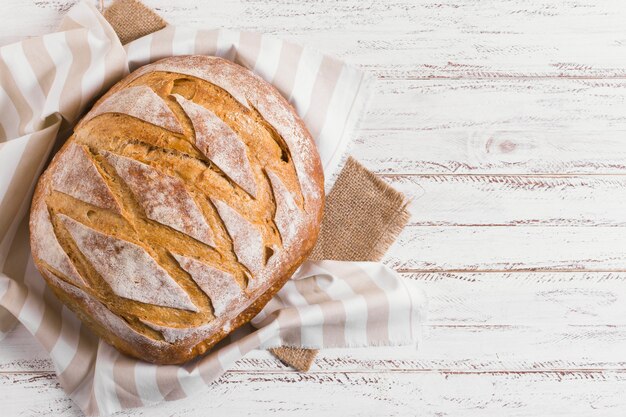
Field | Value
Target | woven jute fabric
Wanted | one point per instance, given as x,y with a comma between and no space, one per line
362,218
131,20
363,214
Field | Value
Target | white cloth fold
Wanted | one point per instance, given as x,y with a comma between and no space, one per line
46,83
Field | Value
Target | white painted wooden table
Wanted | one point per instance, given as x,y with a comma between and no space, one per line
506,121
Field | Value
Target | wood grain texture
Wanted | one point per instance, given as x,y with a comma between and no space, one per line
513,200
520,248
486,106
505,122
497,149
586,393
486,320
496,126
407,39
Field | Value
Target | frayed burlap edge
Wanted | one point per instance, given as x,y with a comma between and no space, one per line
298,358
131,20
362,218
363,215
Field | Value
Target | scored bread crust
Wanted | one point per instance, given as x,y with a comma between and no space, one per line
182,203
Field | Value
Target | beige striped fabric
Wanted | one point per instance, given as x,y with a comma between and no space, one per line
47,82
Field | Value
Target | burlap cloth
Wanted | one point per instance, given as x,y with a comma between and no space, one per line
363,215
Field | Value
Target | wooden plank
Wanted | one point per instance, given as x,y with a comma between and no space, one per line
579,393
502,126
518,248
497,342
486,107
418,39
490,320
503,147
524,298
533,343
446,348
497,200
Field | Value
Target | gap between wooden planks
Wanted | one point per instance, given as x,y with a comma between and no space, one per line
496,127
397,393
478,321
549,111
417,39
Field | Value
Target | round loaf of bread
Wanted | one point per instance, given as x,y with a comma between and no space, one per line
181,204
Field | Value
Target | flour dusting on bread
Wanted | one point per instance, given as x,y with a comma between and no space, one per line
184,200
164,198
252,91
76,175
220,144
140,102
130,271
220,286
288,216
108,320
247,241
47,245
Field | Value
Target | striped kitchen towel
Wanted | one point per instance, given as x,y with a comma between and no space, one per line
46,83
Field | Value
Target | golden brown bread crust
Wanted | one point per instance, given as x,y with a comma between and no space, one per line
184,200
